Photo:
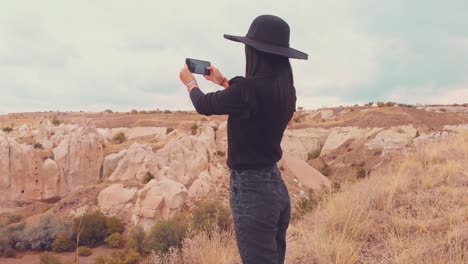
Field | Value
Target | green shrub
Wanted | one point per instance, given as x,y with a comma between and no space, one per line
380,104
169,130
313,154
390,103
136,240
114,225
120,137
166,234
42,235
108,111
134,111
211,213
93,228
443,110
84,251
7,129
63,243
167,112
115,240
48,258
55,122
360,172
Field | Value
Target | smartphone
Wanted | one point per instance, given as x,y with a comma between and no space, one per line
198,66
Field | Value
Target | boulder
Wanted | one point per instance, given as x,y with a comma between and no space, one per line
299,142
134,164
158,200
304,173
111,162
115,198
395,138
50,183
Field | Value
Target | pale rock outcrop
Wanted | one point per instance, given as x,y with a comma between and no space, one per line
116,198
158,200
111,162
134,164
340,135
305,174
79,157
395,138
299,142
50,183
326,114
456,128
23,130
158,133
21,175
44,134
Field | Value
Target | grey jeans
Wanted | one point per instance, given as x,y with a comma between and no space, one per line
261,210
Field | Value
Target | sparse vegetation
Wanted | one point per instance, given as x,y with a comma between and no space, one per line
55,121
169,130
120,137
167,112
108,111
134,112
443,110
212,213
136,240
380,104
220,153
390,103
360,172
306,205
194,129
121,256
7,129
84,251
313,154
48,258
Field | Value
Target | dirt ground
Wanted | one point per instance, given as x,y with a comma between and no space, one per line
32,257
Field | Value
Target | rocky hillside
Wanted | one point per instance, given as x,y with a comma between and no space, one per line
157,171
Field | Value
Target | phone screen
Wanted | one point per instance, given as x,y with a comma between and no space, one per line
198,66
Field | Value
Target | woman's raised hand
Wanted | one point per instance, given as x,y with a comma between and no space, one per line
216,76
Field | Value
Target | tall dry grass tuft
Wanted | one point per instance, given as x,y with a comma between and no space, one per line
213,247
414,210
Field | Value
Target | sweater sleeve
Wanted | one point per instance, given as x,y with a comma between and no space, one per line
226,101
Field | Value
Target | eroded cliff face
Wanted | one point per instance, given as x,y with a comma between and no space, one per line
28,174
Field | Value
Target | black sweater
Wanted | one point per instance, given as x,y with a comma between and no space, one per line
255,124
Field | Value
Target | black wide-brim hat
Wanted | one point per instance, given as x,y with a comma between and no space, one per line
270,34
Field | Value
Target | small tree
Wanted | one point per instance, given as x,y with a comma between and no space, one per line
93,229
380,104
120,137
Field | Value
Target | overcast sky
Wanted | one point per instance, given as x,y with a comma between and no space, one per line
123,55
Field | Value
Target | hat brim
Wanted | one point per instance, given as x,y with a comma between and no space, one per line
269,48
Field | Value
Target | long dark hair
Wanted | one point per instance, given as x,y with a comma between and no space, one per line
278,67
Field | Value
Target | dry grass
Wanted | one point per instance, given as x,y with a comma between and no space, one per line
216,248
413,211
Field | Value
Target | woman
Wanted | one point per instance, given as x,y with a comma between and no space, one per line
259,108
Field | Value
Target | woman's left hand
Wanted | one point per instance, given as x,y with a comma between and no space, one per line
185,75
